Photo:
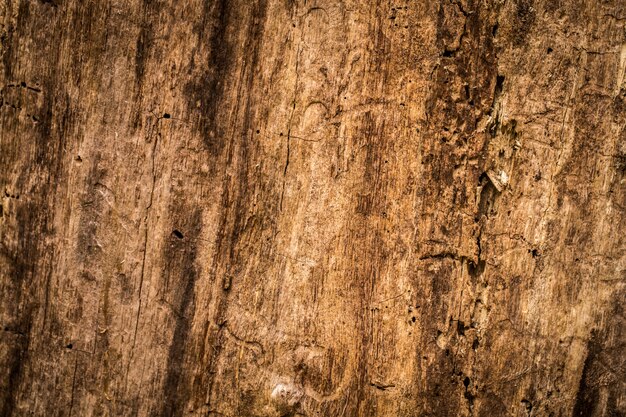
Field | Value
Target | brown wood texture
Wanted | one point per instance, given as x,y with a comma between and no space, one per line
312,208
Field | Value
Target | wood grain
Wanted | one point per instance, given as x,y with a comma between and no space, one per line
314,208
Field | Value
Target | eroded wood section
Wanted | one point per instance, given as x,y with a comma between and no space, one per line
285,207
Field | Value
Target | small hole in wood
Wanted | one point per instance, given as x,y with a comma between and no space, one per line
177,234
475,344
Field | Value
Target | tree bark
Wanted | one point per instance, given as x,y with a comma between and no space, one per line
314,208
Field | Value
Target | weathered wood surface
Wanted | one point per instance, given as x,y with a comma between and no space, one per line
274,208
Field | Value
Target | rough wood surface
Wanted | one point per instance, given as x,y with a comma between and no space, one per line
315,208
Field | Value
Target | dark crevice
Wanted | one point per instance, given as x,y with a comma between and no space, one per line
468,394
462,9
442,255
488,195
450,52
499,85
470,399
382,387
23,84
476,269
51,3
494,124
460,328
475,344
